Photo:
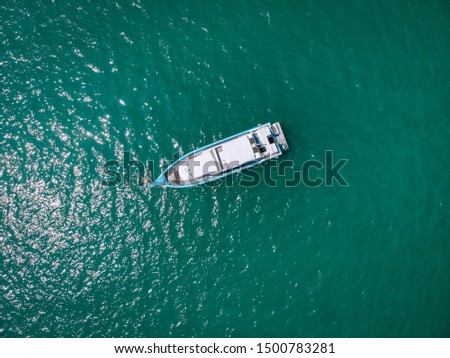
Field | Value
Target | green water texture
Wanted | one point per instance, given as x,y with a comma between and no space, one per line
84,81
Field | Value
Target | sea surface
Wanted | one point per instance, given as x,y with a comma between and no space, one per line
82,82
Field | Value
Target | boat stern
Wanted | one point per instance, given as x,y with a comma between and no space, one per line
279,136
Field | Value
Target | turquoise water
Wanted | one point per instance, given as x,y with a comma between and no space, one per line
84,82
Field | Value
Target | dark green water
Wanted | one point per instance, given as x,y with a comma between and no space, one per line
85,81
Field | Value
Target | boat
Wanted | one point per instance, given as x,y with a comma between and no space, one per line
225,157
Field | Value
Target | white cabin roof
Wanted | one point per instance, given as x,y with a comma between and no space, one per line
199,166
236,152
